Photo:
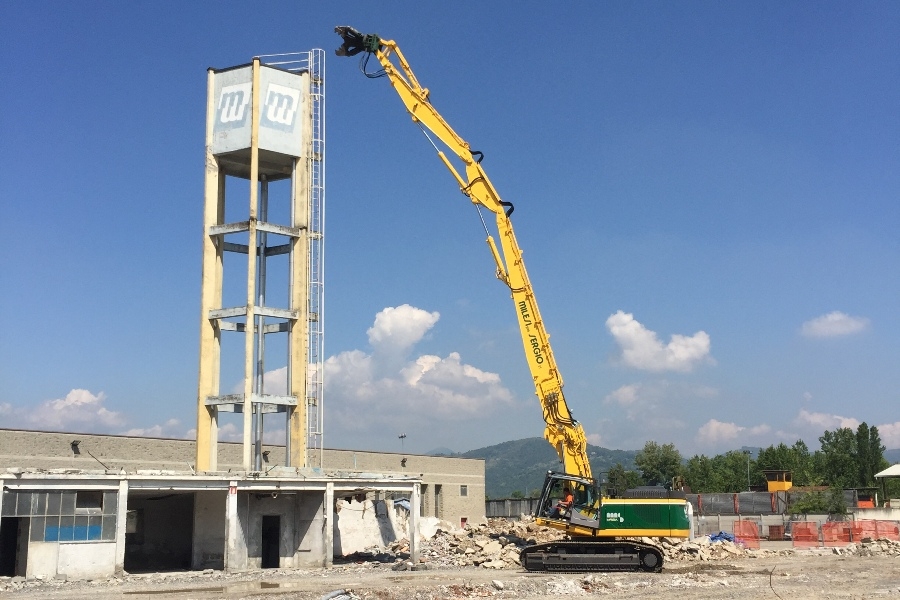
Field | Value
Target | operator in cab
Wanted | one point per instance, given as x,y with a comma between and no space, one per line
562,507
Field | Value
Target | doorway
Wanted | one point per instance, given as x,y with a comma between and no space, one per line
13,546
159,529
271,541
438,496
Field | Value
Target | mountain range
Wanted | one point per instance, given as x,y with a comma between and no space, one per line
521,465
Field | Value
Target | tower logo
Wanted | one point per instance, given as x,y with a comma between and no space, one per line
280,107
231,111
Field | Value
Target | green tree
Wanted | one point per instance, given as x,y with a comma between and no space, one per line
840,466
777,458
863,460
723,473
658,464
620,479
831,502
806,470
733,467
869,454
795,459
850,459
517,495
701,476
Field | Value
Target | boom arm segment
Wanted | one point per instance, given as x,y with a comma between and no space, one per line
562,430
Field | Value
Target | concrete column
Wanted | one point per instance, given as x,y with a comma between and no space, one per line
232,527
253,241
328,537
121,521
210,298
414,524
299,290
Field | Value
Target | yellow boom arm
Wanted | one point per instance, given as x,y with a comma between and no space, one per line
562,430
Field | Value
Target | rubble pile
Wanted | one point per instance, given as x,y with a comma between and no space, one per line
869,547
704,549
496,545
492,545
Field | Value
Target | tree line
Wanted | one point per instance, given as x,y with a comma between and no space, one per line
846,459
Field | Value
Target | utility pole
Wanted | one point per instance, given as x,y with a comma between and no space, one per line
747,452
402,437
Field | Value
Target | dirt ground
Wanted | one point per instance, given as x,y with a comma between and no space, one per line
806,575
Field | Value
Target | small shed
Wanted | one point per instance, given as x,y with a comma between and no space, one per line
778,480
891,472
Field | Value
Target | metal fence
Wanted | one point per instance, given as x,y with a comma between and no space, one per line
753,503
510,508
743,503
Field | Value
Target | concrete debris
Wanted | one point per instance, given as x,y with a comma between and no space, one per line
340,595
497,543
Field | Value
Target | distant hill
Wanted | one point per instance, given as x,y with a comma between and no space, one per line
892,456
520,465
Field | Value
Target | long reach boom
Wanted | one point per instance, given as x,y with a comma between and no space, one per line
562,430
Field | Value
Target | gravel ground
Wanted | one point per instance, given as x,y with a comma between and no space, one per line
804,575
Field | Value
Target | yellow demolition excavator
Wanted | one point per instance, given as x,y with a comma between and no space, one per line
602,528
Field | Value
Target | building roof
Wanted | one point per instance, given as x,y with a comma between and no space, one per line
892,471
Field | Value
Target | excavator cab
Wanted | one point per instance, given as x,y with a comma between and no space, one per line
585,509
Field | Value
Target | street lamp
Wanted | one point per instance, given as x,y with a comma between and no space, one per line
402,437
747,452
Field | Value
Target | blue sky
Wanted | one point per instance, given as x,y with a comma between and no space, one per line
706,194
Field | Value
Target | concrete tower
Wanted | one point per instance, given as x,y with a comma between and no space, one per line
264,125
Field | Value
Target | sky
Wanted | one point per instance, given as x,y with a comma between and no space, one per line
706,197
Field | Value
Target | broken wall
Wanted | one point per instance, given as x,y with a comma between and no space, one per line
376,523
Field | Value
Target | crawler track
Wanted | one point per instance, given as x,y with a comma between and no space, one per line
574,556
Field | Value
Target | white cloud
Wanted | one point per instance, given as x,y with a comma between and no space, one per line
890,434
657,400
275,381
79,407
228,432
401,327
595,439
625,395
169,429
715,432
428,387
824,421
424,391
642,349
834,324
649,410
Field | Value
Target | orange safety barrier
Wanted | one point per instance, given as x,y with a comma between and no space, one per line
746,533
836,534
887,530
804,534
864,529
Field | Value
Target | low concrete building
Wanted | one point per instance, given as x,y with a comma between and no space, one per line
144,508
